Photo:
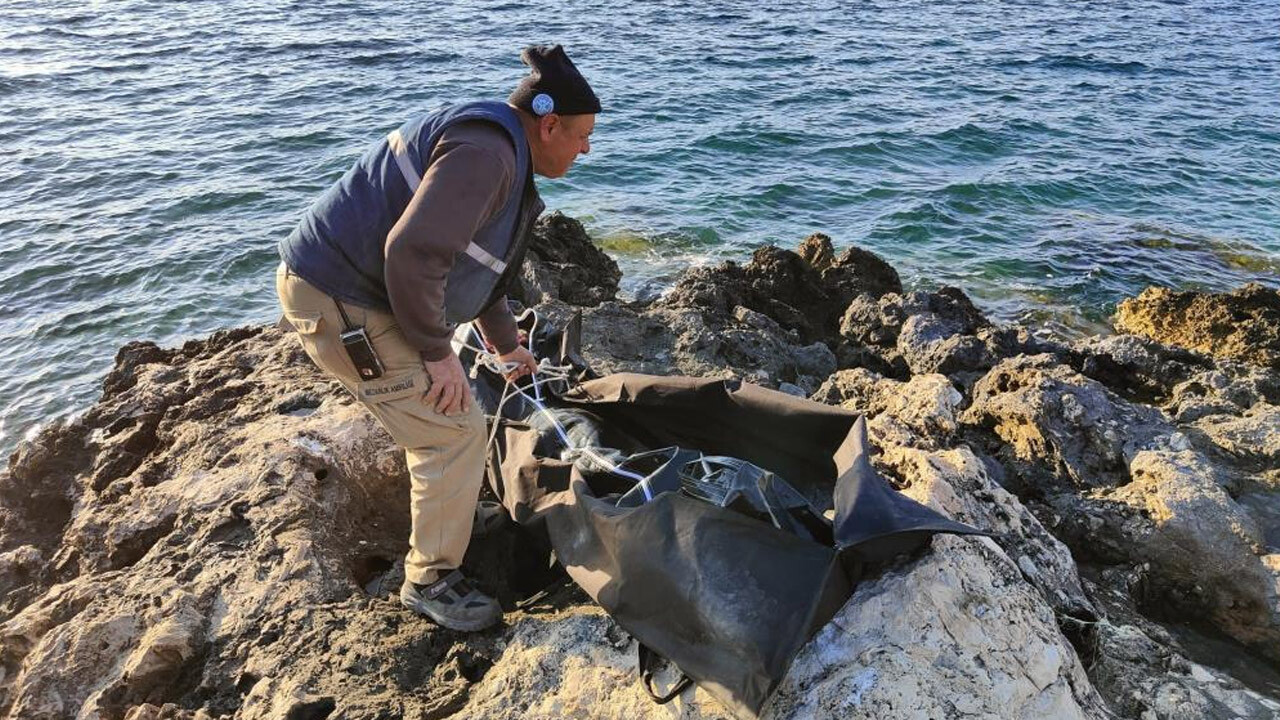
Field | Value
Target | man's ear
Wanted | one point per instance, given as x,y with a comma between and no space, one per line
546,124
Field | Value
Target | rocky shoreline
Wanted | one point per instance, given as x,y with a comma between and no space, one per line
219,535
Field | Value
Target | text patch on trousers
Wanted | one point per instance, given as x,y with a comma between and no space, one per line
394,388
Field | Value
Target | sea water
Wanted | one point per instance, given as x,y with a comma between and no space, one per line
1050,159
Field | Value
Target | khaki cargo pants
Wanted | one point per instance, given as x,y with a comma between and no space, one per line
445,454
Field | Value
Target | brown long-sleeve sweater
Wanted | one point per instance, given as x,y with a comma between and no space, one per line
467,182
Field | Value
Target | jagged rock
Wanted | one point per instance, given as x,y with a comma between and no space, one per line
869,320
1186,384
1145,678
854,272
595,675
1215,392
1136,368
1059,425
219,536
168,711
747,345
786,287
919,412
129,358
1136,493
254,514
1252,437
922,333
1207,550
563,264
959,483
933,639
1242,325
924,639
37,496
928,344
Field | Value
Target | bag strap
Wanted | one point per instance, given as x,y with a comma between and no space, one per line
646,659
346,321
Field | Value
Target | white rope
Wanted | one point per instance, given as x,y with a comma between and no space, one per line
552,373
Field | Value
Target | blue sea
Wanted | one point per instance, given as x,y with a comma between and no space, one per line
1050,159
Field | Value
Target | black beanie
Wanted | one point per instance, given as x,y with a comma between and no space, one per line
553,85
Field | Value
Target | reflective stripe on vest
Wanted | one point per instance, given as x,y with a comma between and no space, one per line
401,151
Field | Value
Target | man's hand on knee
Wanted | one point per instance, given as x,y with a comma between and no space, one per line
450,393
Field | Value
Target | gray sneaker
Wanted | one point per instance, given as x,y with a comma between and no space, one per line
452,602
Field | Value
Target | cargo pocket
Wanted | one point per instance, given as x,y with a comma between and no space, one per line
303,323
324,348
398,404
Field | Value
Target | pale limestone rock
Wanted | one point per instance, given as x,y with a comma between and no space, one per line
957,632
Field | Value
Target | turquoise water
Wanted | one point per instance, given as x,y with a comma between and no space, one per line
1048,158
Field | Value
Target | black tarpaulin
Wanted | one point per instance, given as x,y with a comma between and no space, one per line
872,520
729,599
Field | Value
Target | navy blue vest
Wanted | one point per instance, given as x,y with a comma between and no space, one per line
339,244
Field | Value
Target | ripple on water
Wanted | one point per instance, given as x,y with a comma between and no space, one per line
1049,160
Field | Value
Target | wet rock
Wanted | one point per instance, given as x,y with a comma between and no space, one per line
1242,325
564,264
785,286
855,271
925,332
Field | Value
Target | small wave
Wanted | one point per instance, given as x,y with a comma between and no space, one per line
208,203
293,140
1237,255
369,49
390,57
114,68
56,32
13,85
970,138
304,46
77,19
759,62
1051,192
1088,62
748,143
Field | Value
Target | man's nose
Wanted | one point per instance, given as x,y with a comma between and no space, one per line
586,147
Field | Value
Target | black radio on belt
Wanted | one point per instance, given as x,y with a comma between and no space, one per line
356,342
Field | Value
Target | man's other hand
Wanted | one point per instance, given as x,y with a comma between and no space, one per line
450,393
524,362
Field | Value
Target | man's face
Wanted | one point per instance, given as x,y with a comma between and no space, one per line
561,139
